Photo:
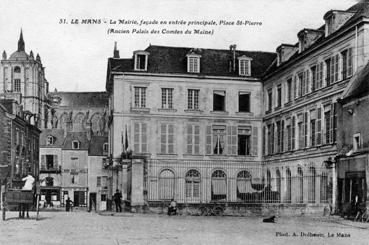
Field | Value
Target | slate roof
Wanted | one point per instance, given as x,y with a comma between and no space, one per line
82,99
358,86
173,60
80,136
96,146
58,135
361,9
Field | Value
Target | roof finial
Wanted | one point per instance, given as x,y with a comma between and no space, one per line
21,42
31,54
4,55
116,51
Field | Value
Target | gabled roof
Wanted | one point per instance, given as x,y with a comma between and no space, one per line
78,136
358,86
58,135
82,99
173,60
96,146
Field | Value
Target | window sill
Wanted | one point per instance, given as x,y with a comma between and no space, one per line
192,155
193,111
167,154
140,110
288,104
219,112
277,108
244,113
167,110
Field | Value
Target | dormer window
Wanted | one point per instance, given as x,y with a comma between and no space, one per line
141,59
244,66
50,140
193,63
75,145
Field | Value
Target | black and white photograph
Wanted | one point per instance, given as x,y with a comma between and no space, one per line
184,122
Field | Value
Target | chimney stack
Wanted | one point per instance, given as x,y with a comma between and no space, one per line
232,49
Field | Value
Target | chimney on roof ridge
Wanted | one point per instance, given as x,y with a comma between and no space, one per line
232,49
116,51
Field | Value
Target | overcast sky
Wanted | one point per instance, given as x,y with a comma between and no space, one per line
75,56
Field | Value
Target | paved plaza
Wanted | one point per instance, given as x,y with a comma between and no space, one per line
126,228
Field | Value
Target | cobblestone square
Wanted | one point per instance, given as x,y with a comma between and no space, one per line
126,228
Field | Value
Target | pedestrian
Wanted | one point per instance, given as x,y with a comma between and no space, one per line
117,199
68,205
172,209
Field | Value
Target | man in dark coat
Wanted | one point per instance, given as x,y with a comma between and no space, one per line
117,199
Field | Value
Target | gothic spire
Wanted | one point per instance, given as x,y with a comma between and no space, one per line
21,42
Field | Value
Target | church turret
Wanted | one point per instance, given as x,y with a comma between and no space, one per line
21,42
116,51
38,58
31,55
4,55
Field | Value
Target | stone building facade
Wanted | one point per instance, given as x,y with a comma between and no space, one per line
194,115
19,145
300,106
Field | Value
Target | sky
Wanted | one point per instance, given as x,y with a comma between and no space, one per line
75,55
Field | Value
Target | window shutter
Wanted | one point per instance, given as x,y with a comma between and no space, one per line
334,122
208,140
144,137
255,141
232,140
163,138
55,160
293,127
136,129
189,139
197,139
319,127
170,138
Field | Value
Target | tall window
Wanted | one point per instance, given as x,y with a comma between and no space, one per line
193,99
244,141
244,186
293,137
346,63
166,184
300,128
140,137
193,139
313,78
218,185
279,136
319,127
17,85
289,89
312,128
218,140
140,97
271,138
289,136
328,127
193,184
306,126
318,76
302,81
167,98
167,138
219,100
244,102
270,99
279,96
332,69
